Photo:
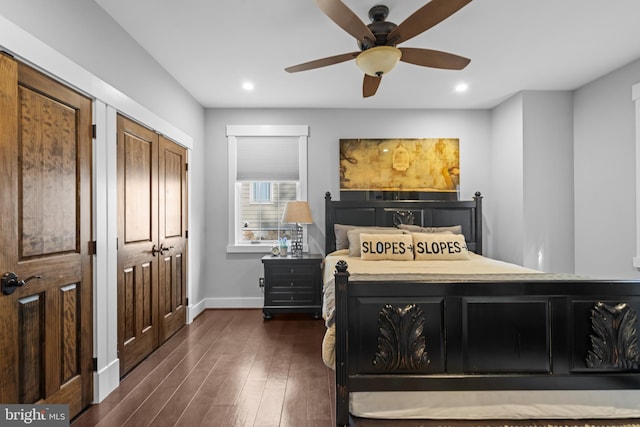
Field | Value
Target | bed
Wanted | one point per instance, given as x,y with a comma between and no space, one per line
494,341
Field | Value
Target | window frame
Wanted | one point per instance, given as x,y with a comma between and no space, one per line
234,134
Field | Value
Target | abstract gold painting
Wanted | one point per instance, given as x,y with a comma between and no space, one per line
427,164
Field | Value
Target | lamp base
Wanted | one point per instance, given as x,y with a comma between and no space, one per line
296,242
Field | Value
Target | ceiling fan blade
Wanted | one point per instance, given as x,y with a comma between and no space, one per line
433,58
370,85
346,19
424,18
330,60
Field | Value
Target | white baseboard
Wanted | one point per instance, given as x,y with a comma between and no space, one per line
106,380
193,310
199,307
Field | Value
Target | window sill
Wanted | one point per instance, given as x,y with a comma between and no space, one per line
245,249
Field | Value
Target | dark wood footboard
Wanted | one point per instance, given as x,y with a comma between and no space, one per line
544,335
515,335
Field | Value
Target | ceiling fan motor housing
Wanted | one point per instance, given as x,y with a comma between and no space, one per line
379,27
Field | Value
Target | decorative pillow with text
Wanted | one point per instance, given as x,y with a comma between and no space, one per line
439,246
341,230
354,237
396,247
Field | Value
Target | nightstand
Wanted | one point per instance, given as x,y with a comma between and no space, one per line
292,285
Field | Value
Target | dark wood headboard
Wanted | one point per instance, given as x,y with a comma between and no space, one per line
426,213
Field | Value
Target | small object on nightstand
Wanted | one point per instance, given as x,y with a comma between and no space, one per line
292,285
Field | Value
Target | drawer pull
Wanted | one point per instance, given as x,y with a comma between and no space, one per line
292,271
291,284
291,297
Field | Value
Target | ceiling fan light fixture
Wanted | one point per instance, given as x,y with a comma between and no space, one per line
378,60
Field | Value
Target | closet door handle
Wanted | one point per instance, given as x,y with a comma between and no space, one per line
155,250
10,282
164,249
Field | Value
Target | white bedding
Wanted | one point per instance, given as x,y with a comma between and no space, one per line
518,404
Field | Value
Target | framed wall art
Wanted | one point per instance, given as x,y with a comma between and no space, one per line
427,165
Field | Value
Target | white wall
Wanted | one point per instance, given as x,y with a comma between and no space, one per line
548,241
233,278
505,231
604,163
532,181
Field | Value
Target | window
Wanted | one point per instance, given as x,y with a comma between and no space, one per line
267,168
260,218
261,192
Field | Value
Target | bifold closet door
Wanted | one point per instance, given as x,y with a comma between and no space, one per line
152,266
46,303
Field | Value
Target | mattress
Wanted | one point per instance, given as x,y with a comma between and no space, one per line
518,404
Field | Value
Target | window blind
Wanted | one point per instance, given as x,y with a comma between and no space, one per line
267,159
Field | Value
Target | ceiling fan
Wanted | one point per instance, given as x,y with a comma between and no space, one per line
377,41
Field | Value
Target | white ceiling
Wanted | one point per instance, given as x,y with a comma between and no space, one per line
212,46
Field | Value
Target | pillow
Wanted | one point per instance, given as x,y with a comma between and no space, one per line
353,236
397,247
439,246
455,229
340,231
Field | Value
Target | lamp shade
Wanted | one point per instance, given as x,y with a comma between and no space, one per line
378,60
297,212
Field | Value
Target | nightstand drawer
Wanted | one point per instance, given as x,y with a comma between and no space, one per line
293,270
279,284
289,298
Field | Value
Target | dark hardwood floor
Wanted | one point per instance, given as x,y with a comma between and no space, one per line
230,368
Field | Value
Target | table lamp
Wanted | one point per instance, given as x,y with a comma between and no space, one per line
297,212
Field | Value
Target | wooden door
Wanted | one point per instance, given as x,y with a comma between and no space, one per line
172,217
152,265
45,210
137,239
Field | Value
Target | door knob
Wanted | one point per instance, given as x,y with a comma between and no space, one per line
161,250
164,249
155,250
10,282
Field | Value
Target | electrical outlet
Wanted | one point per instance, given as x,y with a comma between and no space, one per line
261,282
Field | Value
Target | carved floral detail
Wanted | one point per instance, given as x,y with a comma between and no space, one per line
403,217
401,341
614,342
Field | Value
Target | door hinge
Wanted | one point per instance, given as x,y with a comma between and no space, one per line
93,247
186,167
187,301
94,131
186,234
95,364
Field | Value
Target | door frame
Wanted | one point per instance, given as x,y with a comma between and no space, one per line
107,102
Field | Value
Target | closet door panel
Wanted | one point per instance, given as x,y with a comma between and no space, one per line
173,229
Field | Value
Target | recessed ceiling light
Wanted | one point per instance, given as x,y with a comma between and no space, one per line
248,86
461,87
